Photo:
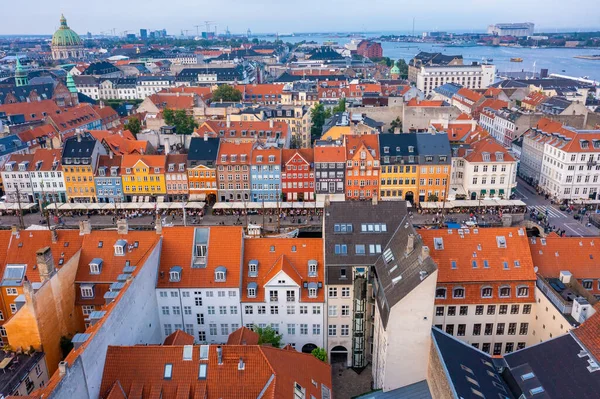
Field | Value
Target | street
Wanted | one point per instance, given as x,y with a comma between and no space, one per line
556,217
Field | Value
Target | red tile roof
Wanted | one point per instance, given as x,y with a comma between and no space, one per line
288,255
22,249
260,89
202,92
224,249
230,148
31,110
47,157
107,161
243,336
100,244
172,101
307,154
122,146
266,153
469,94
491,147
483,243
589,333
179,338
37,133
355,142
415,102
493,104
253,130
269,373
72,118
579,255
534,99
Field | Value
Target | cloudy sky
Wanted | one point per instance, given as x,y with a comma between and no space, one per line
284,16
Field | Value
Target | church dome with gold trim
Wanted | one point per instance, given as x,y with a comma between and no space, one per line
66,43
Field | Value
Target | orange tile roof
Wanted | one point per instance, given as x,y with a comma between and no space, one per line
107,161
534,99
491,147
75,117
202,92
122,146
214,128
464,117
152,161
269,372
588,333
260,89
306,153
579,255
493,104
492,92
5,238
179,338
172,101
484,245
266,152
112,265
366,88
243,336
37,132
330,154
469,94
106,112
224,249
31,110
415,102
290,255
228,148
47,158
355,142
22,249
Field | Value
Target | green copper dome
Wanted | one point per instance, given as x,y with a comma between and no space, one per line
64,36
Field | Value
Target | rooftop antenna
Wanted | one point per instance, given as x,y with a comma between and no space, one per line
413,32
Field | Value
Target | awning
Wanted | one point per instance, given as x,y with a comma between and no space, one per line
195,205
483,191
492,191
501,191
197,197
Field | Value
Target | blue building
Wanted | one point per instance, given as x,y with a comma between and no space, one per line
265,174
109,188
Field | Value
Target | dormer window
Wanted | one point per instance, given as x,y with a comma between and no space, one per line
181,167
252,290
171,167
271,158
220,273
438,243
501,240
312,268
440,293
96,266
101,172
156,170
223,158
312,290
128,170
485,156
175,274
243,158
259,158
458,293
87,291
120,247
253,268
234,158
386,150
504,292
486,292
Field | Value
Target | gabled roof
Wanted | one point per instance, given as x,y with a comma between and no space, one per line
46,159
288,255
307,154
266,153
491,147
37,133
243,336
579,255
22,249
109,162
179,338
152,161
224,249
269,373
171,101
330,154
230,148
355,143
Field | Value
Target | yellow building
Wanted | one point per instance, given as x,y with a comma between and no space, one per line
143,178
347,123
79,158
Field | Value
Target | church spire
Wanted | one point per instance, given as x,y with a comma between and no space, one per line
71,83
20,74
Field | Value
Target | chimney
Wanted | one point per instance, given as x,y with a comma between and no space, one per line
410,243
205,136
158,225
271,123
85,227
424,252
45,263
54,235
78,134
220,354
28,291
15,230
167,146
228,124
122,226
62,368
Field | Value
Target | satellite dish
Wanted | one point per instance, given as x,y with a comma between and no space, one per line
535,269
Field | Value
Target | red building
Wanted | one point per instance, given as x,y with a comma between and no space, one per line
298,176
369,49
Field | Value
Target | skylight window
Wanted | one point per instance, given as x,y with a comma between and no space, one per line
168,371
536,390
527,376
204,352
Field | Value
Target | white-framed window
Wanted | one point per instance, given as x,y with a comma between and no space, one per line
219,276
12,291
312,292
522,291
87,291
332,311
13,308
251,292
87,309
440,293
504,292
458,292
332,331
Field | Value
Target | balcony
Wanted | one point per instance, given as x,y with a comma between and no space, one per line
291,299
273,299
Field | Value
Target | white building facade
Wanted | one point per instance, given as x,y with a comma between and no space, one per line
469,76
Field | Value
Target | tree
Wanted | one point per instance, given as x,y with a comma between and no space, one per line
226,93
184,123
340,107
268,335
403,66
396,123
318,116
134,125
432,198
320,354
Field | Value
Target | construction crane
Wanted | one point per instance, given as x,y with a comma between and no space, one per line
186,32
208,26
124,33
197,29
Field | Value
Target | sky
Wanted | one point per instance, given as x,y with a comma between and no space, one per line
284,16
